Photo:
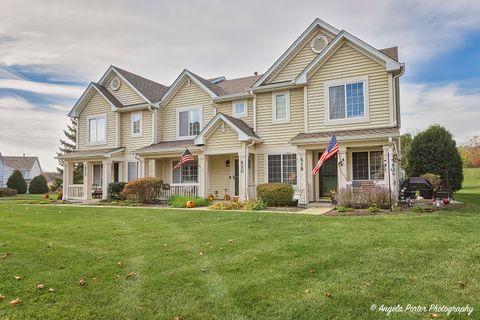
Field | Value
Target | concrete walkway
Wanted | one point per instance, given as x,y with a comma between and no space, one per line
317,211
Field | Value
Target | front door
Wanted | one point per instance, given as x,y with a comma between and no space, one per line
328,176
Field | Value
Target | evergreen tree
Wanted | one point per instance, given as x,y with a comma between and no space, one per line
435,151
17,182
405,142
68,145
38,185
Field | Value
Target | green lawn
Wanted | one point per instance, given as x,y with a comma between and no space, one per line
263,274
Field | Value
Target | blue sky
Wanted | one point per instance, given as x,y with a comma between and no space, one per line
50,51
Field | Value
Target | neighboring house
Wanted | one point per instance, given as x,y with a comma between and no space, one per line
51,176
28,166
247,131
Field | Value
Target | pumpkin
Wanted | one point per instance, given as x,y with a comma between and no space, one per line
190,204
227,197
210,198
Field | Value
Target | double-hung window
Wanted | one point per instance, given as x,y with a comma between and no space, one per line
136,123
132,170
239,108
280,107
188,173
97,127
368,165
347,101
188,122
282,168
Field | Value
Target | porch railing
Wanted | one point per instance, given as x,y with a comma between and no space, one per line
75,191
187,190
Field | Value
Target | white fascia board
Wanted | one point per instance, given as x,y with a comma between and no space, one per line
294,45
73,113
200,139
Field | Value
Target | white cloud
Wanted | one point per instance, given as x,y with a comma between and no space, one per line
27,128
447,105
42,88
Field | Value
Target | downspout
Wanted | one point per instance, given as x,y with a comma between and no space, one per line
395,106
247,160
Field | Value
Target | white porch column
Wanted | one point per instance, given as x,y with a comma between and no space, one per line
310,178
142,168
302,177
152,167
66,178
242,172
203,182
390,179
87,180
342,172
107,177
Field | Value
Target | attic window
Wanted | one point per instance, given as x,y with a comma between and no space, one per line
319,43
115,84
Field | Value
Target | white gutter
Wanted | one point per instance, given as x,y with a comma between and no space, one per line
394,91
282,85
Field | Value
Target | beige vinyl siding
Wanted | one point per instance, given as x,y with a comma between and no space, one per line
223,142
219,175
133,143
300,61
279,133
226,108
261,168
187,96
125,94
344,63
96,105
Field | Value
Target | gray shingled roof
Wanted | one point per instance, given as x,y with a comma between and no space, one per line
89,153
152,90
391,52
325,136
165,145
20,163
238,85
241,125
215,88
108,95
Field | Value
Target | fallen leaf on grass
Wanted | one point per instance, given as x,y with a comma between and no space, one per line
15,302
230,241
6,254
60,267
82,281
306,291
130,275
50,245
2,297
117,276
201,253
40,286
119,263
328,295
312,270
434,315
462,284
18,278
204,270
51,290
178,318
221,248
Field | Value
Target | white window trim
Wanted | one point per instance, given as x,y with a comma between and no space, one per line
139,134
97,116
126,169
177,123
274,107
345,81
181,184
350,169
244,114
281,168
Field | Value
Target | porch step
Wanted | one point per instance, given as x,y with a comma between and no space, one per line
323,204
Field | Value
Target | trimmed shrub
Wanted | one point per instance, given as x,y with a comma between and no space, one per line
17,182
144,190
434,179
7,192
38,185
376,197
253,205
250,205
115,189
181,201
275,194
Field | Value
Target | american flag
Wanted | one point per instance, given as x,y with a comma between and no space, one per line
331,150
184,159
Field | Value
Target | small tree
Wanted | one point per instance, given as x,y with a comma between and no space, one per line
435,151
38,185
405,142
69,145
17,182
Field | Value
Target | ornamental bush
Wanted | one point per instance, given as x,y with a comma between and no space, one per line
435,151
143,190
377,197
115,190
275,194
17,182
7,192
38,185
